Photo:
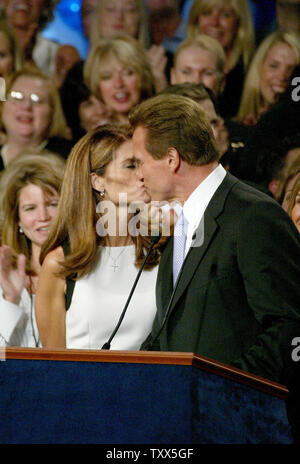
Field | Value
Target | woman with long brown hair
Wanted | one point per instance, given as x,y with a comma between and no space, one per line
30,188
94,247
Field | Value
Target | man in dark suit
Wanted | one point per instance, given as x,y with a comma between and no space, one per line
237,296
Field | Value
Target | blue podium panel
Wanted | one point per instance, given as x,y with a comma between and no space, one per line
227,412
75,402
96,398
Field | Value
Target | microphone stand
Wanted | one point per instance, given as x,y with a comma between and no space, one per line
154,240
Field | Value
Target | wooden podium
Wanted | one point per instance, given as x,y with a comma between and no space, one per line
130,397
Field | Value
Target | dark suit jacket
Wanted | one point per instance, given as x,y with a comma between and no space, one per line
237,299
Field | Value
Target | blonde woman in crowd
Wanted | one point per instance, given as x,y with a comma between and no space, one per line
200,61
118,72
30,188
294,204
130,17
27,19
268,75
230,23
287,182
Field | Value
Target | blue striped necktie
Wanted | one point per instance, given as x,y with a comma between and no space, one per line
179,245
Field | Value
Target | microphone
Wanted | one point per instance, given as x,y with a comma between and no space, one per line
147,346
154,240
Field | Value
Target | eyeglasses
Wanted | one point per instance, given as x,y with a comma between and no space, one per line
18,97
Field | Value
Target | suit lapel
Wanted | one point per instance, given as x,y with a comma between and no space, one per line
164,283
204,235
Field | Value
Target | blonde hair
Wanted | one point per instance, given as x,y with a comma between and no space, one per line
42,169
286,176
58,125
244,42
17,55
204,42
125,50
251,100
294,193
77,217
143,28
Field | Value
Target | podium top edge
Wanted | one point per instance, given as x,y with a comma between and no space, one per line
147,357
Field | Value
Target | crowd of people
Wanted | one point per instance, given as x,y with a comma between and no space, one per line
162,108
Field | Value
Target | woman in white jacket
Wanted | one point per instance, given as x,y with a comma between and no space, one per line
29,188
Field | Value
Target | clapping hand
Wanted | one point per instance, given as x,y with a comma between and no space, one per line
12,280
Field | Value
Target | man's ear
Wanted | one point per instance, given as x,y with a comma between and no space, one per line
173,159
97,182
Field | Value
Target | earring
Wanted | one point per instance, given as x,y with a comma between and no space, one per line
102,193
20,229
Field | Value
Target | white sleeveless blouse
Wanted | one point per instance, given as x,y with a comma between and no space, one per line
99,298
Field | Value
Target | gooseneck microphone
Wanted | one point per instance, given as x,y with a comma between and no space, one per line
154,240
147,346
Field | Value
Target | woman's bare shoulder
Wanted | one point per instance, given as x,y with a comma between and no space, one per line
53,259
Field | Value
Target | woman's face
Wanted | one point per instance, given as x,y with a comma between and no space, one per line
119,17
27,111
121,178
6,57
119,87
221,23
288,191
88,9
92,113
295,214
36,210
197,66
23,12
276,70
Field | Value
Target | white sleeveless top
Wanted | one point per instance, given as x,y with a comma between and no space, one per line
99,298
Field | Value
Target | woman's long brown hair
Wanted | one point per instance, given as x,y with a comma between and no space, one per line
76,217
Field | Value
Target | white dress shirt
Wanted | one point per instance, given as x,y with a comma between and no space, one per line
197,202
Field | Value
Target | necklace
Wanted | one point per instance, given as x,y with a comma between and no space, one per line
114,260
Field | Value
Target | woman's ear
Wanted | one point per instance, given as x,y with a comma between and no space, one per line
97,182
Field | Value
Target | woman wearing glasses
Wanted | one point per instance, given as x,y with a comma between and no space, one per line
32,116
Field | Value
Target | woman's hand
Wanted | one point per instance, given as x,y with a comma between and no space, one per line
12,280
158,61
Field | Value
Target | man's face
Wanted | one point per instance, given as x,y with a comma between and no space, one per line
288,15
197,66
154,172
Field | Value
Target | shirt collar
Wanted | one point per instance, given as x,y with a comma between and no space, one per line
195,205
